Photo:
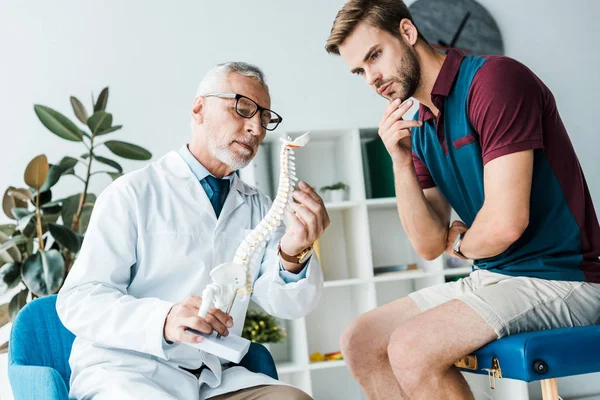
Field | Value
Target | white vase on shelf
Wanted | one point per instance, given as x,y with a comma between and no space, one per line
337,196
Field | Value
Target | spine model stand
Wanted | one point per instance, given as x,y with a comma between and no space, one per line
231,278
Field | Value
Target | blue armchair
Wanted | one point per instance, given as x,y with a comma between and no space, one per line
39,348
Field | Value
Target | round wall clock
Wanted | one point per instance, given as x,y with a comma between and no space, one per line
462,24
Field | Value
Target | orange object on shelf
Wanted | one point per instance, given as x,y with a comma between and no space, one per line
337,355
316,357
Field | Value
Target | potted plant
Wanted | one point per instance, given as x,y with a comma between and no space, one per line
262,328
38,249
336,192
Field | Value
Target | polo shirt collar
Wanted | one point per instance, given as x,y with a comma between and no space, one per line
443,83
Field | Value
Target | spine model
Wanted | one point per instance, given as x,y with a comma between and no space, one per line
247,253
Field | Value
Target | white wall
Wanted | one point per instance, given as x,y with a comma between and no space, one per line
152,55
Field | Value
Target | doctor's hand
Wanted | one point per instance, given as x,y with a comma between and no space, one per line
185,315
307,223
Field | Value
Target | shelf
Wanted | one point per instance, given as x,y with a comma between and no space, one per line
335,384
365,231
344,282
289,368
327,364
457,271
386,202
400,276
343,205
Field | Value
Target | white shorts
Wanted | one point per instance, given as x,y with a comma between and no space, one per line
513,305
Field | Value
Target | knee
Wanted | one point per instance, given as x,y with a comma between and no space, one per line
408,358
358,337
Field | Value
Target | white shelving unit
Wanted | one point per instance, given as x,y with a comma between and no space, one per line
364,233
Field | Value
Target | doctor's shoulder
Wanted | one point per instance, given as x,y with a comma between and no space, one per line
131,184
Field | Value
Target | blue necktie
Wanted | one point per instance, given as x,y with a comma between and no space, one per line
216,191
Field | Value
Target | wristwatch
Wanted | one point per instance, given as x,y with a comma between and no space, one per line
299,259
456,246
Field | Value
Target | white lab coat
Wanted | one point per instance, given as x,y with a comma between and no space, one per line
152,240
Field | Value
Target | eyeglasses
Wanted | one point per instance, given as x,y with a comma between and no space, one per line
247,108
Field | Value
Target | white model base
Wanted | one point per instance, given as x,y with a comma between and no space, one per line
231,347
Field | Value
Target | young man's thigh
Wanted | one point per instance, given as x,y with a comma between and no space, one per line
512,305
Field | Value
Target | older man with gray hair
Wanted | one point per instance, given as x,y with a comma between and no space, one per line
153,238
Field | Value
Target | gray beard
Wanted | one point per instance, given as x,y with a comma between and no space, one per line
228,157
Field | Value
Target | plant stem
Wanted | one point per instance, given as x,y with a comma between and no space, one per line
75,225
80,178
38,220
68,259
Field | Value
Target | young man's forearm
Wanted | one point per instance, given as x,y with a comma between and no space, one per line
424,227
492,233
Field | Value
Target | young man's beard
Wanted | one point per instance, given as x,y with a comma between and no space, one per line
408,76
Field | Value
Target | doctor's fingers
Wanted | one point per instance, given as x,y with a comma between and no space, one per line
196,323
306,216
313,202
226,319
216,323
193,301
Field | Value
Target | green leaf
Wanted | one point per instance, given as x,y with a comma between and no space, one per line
70,171
13,241
4,314
100,121
58,123
84,133
54,207
86,214
79,110
65,237
15,198
53,204
10,276
7,202
25,222
8,229
102,100
128,150
18,301
43,272
45,197
115,175
110,162
54,174
22,196
21,213
67,162
29,229
109,130
50,216
4,348
69,209
37,172
11,254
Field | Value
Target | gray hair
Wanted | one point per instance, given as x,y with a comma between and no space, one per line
211,81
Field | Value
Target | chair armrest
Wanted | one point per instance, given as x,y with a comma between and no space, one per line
33,382
259,360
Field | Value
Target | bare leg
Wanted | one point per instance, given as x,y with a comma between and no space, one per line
365,343
423,350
